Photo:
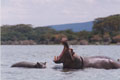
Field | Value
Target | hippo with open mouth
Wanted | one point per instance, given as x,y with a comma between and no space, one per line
30,64
71,60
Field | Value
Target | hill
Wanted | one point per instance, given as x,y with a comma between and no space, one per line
76,27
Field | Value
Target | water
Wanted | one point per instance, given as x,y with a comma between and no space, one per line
46,53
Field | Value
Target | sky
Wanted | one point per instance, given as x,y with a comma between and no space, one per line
52,12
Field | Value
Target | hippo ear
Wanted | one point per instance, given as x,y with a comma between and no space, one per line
38,63
45,63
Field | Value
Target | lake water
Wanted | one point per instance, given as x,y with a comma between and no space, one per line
45,53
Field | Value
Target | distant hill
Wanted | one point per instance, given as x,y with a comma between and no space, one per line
76,27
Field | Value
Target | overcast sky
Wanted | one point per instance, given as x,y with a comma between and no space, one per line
51,12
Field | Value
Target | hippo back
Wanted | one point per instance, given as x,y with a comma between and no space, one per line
24,64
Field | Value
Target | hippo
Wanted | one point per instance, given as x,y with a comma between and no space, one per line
71,60
30,64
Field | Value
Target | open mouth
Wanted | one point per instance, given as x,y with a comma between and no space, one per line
66,54
66,49
58,58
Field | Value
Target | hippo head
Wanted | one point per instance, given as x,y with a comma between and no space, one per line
40,65
66,54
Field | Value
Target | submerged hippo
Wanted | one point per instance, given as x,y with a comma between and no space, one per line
72,61
30,65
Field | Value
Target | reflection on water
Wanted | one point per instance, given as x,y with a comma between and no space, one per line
46,53
60,68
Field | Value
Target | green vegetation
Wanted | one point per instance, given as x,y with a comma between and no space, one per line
108,28
105,31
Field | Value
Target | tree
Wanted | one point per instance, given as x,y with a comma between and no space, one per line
107,24
116,38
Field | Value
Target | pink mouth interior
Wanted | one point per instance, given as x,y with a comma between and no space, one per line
60,56
66,47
